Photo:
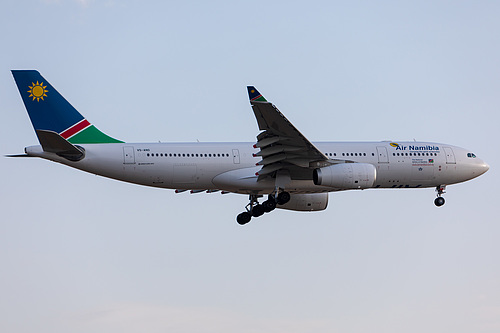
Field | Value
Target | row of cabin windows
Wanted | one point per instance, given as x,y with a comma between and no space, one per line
327,154
415,154
348,154
393,154
185,155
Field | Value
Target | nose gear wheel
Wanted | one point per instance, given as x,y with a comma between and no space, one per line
439,201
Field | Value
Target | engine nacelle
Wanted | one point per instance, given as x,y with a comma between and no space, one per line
306,202
346,176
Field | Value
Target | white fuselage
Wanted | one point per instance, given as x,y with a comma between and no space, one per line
232,166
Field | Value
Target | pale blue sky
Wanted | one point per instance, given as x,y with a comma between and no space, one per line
81,253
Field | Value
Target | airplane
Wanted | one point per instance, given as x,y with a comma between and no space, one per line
282,166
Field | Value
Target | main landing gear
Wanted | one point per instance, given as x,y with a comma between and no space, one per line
254,209
439,201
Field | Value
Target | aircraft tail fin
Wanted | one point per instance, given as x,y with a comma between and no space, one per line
50,112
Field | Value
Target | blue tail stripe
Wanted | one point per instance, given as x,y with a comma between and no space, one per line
53,112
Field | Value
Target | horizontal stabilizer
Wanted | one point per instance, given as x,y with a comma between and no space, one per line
18,155
54,143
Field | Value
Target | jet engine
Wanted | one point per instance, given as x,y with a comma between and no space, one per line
306,202
346,176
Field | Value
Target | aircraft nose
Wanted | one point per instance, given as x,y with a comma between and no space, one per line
485,167
482,167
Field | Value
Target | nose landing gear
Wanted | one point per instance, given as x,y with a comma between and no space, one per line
439,201
254,209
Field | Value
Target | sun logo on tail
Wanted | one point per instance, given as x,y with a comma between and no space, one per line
37,91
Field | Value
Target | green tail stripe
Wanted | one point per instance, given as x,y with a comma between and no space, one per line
261,99
92,135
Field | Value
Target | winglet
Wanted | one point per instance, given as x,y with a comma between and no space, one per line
255,95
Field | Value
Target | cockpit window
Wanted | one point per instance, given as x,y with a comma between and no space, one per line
471,155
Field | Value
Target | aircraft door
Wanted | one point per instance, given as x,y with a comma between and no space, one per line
450,156
128,155
382,155
236,156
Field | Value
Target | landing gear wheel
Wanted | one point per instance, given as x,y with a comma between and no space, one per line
258,210
440,189
439,201
243,218
254,209
269,205
283,198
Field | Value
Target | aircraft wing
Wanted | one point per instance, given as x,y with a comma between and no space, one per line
282,146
